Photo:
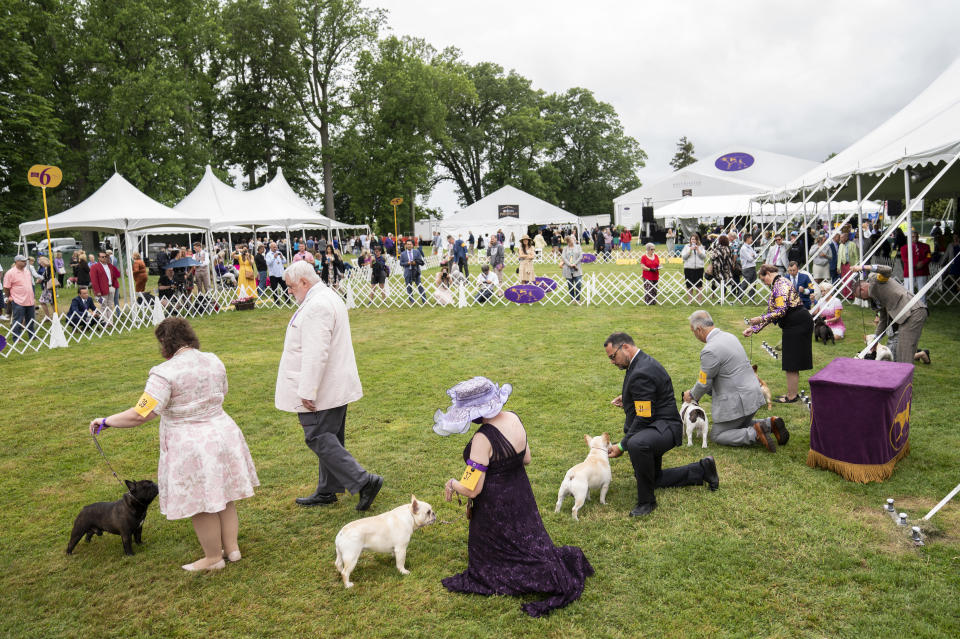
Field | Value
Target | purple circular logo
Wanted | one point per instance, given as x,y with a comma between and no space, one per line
545,283
524,293
734,161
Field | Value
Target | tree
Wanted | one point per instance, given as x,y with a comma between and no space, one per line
150,92
590,158
329,36
400,101
494,132
29,126
263,128
684,155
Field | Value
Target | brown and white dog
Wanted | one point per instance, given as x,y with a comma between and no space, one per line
590,474
765,389
694,420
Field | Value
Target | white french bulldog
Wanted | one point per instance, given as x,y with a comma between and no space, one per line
694,420
388,532
592,473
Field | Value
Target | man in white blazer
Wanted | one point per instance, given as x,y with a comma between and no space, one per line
317,379
726,375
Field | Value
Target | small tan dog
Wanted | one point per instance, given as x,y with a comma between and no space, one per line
389,532
592,473
765,389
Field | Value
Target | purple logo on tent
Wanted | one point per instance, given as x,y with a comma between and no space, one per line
734,161
524,293
545,283
589,257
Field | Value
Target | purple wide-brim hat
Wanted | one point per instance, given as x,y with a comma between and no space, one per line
473,399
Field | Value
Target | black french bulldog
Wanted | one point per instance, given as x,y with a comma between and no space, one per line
822,332
123,517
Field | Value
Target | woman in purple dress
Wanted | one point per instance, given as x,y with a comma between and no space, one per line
509,550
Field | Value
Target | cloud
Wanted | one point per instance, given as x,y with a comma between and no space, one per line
799,78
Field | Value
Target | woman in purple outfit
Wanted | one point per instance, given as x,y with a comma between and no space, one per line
509,550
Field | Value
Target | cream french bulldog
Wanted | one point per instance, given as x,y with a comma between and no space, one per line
389,532
592,473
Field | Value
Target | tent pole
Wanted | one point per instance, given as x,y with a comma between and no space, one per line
859,217
906,196
286,230
864,259
133,298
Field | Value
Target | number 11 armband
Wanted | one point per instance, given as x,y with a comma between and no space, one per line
471,475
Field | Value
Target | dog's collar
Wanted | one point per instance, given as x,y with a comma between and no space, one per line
599,448
134,498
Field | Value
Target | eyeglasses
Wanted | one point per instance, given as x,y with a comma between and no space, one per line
614,353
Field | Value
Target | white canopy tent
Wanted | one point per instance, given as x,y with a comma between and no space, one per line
117,205
485,216
920,143
228,206
717,207
924,133
738,170
120,206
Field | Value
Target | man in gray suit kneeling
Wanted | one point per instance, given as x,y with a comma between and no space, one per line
726,375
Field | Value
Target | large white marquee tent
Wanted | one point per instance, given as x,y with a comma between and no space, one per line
925,133
913,155
484,215
738,170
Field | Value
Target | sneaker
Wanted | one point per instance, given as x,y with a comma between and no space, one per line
4,318
768,442
779,430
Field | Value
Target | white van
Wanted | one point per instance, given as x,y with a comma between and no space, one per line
62,244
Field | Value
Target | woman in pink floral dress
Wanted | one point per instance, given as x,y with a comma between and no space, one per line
205,465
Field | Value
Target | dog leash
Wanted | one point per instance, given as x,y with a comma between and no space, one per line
124,486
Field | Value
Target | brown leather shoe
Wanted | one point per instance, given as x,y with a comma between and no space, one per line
768,441
779,430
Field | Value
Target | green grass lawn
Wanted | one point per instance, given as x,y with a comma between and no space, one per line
780,550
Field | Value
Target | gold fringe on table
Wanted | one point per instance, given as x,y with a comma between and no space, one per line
860,473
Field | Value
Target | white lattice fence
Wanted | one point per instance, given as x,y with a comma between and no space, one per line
597,289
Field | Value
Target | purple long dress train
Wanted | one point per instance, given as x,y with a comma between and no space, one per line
509,550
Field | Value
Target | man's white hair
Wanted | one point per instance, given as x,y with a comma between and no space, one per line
701,319
302,270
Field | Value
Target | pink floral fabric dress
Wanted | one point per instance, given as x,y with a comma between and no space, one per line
204,459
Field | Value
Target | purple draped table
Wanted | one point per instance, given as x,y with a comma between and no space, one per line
860,418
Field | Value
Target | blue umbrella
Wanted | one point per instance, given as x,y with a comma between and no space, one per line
183,262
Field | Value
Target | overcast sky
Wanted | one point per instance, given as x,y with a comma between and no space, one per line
799,78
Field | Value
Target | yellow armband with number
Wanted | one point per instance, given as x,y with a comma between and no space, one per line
471,475
145,404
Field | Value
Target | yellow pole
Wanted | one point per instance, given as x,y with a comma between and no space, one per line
396,235
53,280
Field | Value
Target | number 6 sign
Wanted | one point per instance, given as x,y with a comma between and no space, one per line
44,176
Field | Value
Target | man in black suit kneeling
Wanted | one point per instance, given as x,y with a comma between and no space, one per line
652,425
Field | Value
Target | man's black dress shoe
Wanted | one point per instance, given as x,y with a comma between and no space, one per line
710,475
369,492
317,499
643,509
